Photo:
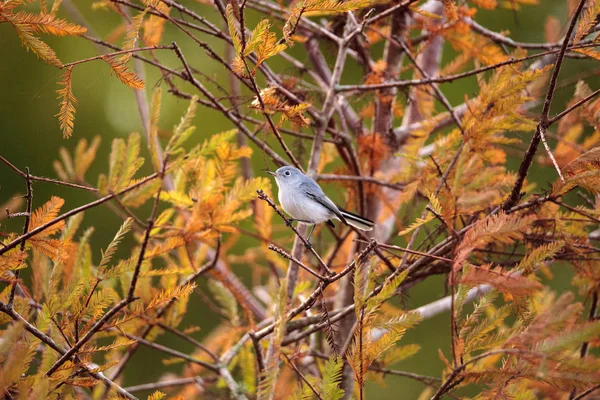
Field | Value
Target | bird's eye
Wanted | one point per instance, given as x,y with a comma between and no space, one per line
287,173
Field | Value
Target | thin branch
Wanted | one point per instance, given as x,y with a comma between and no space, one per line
149,226
515,194
52,344
448,384
29,197
117,53
189,339
75,211
284,254
263,196
172,352
302,377
574,106
165,384
47,180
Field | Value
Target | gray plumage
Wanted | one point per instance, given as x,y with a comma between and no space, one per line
303,199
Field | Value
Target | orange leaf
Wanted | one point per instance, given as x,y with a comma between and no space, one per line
66,115
47,213
124,74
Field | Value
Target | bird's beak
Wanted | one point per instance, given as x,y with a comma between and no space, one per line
272,173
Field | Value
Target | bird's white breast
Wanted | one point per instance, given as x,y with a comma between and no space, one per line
302,207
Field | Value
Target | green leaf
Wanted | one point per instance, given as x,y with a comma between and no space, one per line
332,377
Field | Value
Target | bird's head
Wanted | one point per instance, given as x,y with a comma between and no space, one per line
287,175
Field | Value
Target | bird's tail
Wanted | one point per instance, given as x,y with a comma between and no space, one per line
357,221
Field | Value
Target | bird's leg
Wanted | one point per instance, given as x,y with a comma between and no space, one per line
292,220
308,245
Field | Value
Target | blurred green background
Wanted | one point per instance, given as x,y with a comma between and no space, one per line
31,137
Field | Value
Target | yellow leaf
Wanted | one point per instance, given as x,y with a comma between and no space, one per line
155,25
132,35
124,74
66,115
47,23
32,42
47,213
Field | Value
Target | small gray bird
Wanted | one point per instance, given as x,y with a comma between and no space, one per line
303,199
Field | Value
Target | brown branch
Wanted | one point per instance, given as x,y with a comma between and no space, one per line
130,295
75,211
573,107
52,344
515,194
302,377
310,301
29,197
117,53
172,352
190,78
274,129
188,339
448,383
168,383
585,393
286,255
47,180
149,226
419,253
263,196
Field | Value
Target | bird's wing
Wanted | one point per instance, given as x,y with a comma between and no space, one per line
313,191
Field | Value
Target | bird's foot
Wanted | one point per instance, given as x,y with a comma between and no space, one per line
292,220
308,245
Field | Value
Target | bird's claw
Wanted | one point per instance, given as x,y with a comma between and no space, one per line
308,245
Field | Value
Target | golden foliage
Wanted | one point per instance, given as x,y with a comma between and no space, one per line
123,73
273,103
499,228
505,281
49,24
66,115
47,213
124,162
26,33
261,41
74,168
208,226
155,25
131,36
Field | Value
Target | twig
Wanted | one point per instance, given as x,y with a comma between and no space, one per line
91,332
149,226
47,180
284,254
75,211
117,53
449,381
52,344
301,376
368,179
263,196
164,384
260,358
189,339
584,347
585,393
172,352
419,253
130,295
29,197
573,107
515,194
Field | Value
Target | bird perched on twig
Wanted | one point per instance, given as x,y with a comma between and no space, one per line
303,199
